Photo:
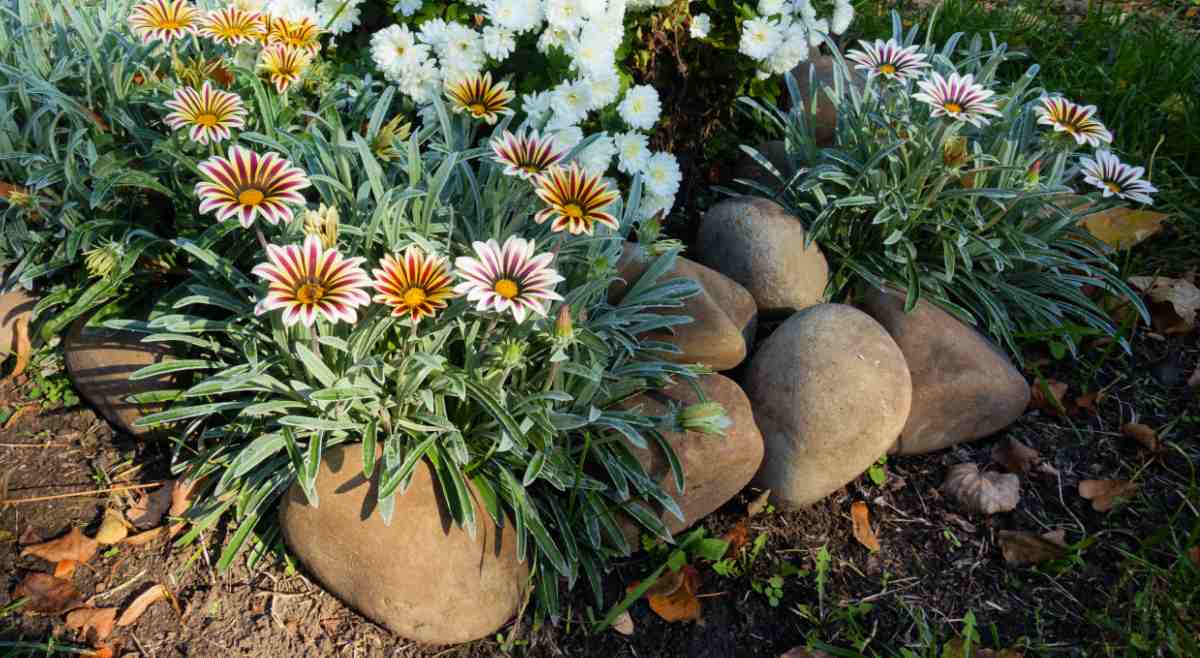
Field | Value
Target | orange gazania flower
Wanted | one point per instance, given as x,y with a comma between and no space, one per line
302,34
480,97
575,200
164,20
415,286
283,65
231,26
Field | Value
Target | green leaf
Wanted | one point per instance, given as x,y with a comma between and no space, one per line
315,366
368,448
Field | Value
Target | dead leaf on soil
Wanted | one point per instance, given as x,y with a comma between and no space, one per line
112,529
963,524
759,504
957,648
148,508
737,537
105,651
985,493
1021,548
29,536
1122,228
1048,396
144,537
92,624
1088,401
71,546
1174,302
1104,493
673,597
47,594
65,568
1143,434
1194,379
861,516
801,652
139,605
1014,456
623,624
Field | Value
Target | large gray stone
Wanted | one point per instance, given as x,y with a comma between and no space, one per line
964,388
759,245
422,577
830,392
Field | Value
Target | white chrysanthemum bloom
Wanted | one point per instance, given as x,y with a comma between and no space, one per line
593,54
570,101
662,174
293,10
407,7
791,52
633,152
566,138
249,5
537,107
516,15
395,50
805,10
843,15
771,7
817,32
462,52
701,26
760,38
564,14
498,42
653,203
640,107
422,82
340,16
598,155
595,9
551,38
433,32
604,87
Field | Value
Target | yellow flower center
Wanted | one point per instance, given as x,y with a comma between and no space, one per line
1112,187
887,69
170,25
309,293
953,108
250,197
207,120
477,109
414,297
532,169
573,211
507,288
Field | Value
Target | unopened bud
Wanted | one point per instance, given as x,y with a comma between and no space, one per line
704,417
563,327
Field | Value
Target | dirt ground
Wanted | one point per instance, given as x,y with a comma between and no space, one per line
937,562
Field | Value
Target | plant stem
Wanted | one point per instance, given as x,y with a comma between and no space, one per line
262,239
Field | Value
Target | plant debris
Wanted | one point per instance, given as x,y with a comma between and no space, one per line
73,546
984,493
861,517
1020,548
1105,493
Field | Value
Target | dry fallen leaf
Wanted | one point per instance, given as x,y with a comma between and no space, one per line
737,537
673,597
92,624
65,568
1194,379
623,624
1027,548
861,516
138,606
148,509
759,504
144,537
957,648
801,652
1174,302
112,529
1122,228
1143,434
1104,493
1052,403
1014,456
1087,402
47,594
71,546
104,651
985,493
29,536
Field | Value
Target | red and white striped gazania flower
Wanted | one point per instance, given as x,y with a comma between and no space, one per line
888,59
480,97
1076,120
302,34
575,200
248,185
232,26
283,65
208,114
164,20
415,286
508,278
309,280
958,97
1114,177
526,155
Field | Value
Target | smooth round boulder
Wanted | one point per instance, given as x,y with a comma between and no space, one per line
723,313
16,312
422,577
775,152
964,387
817,74
715,468
759,245
831,392
99,362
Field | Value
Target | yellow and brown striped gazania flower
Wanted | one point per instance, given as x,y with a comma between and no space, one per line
415,286
1078,121
309,280
480,97
574,199
208,114
232,26
246,185
526,155
164,20
302,34
283,65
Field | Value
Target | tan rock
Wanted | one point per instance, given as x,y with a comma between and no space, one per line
964,387
831,393
422,577
775,151
16,307
759,245
100,361
723,313
715,468
821,70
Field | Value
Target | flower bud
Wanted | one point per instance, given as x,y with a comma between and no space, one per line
704,417
323,223
563,327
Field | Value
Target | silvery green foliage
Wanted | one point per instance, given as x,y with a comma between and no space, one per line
990,233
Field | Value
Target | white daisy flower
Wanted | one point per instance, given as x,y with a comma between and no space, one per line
662,174
633,151
701,26
640,108
760,38
598,155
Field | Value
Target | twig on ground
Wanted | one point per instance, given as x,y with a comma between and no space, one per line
80,494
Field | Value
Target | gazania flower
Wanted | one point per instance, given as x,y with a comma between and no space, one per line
958,97
1076,120
300,34
247,185
1116,178
508,278
165,20
480,97
415,286
208,113
232,26
888,59
283,65
575,200
309,279
526,155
